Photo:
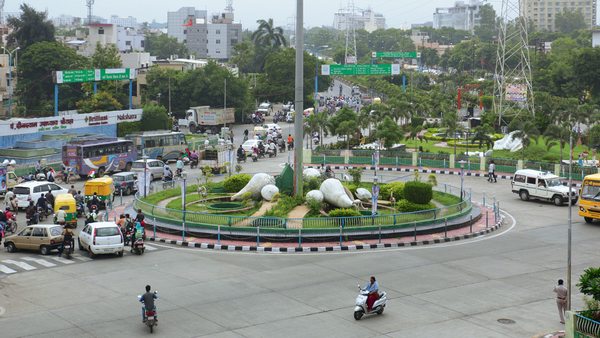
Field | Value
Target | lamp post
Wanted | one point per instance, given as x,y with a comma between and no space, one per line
183,203
10,86
462,177
145,158
375,196
569,281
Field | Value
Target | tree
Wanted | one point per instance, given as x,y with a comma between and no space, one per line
35,86
30,27
163,46
244,57
525,130
106,57
266,35
344,123
389,132
103,101
486,30
569,21
154,117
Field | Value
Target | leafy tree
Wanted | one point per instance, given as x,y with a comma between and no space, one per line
266,35
429,57
524,130
344,123
589,283
244,56
30,27
106,57
569,21
35,86
584,72
154,117
103,101
389,132
486,30
164,46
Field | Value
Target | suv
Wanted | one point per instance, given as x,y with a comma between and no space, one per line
42,237
541,185
125,182
33,190
102,238
154,168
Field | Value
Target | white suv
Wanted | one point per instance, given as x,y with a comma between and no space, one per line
154,168
541,185
101,238
32,190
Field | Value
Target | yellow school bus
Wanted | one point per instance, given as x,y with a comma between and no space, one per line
589,198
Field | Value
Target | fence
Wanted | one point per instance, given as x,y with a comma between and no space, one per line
586,327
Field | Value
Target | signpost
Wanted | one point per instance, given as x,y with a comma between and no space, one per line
382,69
396,55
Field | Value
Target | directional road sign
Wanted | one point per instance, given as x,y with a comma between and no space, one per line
396,55
382,69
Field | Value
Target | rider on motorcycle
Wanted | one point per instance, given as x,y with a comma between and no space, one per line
241,154
148,300
179,166
67,238
167,173
31,213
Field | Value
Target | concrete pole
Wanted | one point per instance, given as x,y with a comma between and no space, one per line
299,99
569,237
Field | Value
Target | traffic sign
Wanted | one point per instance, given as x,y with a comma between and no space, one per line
73,76
397,55
382,69
92,75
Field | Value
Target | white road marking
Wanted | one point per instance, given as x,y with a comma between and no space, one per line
150,248
39,261
62,260
22,265
6,269
81,258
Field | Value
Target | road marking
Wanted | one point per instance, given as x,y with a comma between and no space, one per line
81,258
150,248
62,260
39,261
6,269
22,265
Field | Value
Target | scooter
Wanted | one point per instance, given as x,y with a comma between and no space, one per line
80,209
67,249
150,314
254,157
138,246
241,158
361,304
193,163
271,152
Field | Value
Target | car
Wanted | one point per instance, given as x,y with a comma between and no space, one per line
38,237
154,168
272,126
125,183
32,190
265,108
248,145
102,238
289,106
528,184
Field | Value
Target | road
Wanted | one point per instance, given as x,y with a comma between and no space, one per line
449,290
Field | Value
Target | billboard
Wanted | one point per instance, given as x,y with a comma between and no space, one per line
516,92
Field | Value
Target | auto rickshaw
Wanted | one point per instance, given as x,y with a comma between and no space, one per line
103,187
67,203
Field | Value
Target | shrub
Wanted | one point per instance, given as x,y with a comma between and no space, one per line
236,183
395,188
406,206
314,206
418,192
125,128
344,213
356,174
312,183
284,205
432,180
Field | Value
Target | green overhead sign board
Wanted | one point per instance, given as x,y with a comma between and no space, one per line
93,75
383,69
397,55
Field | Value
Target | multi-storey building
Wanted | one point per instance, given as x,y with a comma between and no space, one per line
179,22
367,20
462,16
214,39
124,22
542,13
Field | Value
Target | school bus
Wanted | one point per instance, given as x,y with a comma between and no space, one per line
589,198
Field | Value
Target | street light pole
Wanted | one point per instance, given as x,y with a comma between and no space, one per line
462,178
570,222
145,157
10,80
299,99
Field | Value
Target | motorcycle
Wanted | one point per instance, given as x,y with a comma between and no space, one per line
150,314
178,172
138,246
241,158
271,152
91,218
290,145
168,182
361,309
80,209
34,219
67,249
193,163
254,157
281,145
42,213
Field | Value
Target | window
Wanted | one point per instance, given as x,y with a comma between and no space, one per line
520,178
55,231
127,43
218,31
218,41
37,189
54,187
530,180
39,232
105,232
26,232
21,191
101,31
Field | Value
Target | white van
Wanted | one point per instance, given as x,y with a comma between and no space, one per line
32,190
102,238
541,185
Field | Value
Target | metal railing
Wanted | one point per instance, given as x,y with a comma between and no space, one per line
586,326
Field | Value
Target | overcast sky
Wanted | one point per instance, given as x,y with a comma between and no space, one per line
398,13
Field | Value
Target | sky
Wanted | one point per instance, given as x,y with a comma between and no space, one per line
398,13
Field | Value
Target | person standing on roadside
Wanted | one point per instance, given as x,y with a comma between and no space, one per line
492,172
561,299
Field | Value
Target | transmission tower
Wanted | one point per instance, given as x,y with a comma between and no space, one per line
1,12
229,6
89,4
350,17
512,86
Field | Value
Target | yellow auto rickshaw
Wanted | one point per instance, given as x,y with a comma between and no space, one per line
67,203
103,188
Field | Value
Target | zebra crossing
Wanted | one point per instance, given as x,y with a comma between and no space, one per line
14,264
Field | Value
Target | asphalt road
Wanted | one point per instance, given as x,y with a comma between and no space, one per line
450,290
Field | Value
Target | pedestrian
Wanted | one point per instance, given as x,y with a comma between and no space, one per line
9,194
492,172
561,299
72,191
14,206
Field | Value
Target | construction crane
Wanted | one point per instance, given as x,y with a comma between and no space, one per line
89,4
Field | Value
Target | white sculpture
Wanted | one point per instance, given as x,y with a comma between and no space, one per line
311,172
509,143
254,186
335,194
268,191
363,194
315,195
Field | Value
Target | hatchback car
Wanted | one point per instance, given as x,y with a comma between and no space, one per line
154,168
102,238
248,145
33,190
125,183
39,237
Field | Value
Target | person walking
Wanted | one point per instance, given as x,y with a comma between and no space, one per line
561,299
492,172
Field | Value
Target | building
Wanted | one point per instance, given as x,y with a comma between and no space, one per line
102,33
124,22
422,25
179,21
462,16
130,39
542,13
367,20
67,21
126,39
214,39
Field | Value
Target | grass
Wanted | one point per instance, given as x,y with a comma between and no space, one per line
445,199
284,205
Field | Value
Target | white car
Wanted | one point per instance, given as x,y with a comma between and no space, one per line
248,145
529,184
265,108
102,238
27,191
272,126
154,168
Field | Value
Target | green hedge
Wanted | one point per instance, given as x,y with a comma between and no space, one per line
418,192
395,188
344,213
407,206
236,183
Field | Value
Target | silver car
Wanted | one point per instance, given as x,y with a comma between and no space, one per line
154,168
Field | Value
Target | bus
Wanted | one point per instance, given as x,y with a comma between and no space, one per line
99,154
589,198
161,145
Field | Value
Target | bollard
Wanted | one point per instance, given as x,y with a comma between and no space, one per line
300,237
341,240
154,226
257,237
219,234
471,224
446,227
121,196
380,234
484,200
415,226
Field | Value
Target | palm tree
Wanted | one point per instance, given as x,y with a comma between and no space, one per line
560,133
268,36
526,131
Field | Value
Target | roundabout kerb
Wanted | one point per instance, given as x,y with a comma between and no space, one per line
316,229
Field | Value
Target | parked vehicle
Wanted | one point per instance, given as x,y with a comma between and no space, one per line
32,190
67,203
154,168
98,154
161,145
528,184
125,183
204,118
42,237
138,246
103,187
102,238
360,307
8,179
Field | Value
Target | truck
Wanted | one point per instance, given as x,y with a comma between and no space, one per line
8,179
216,157
204,118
